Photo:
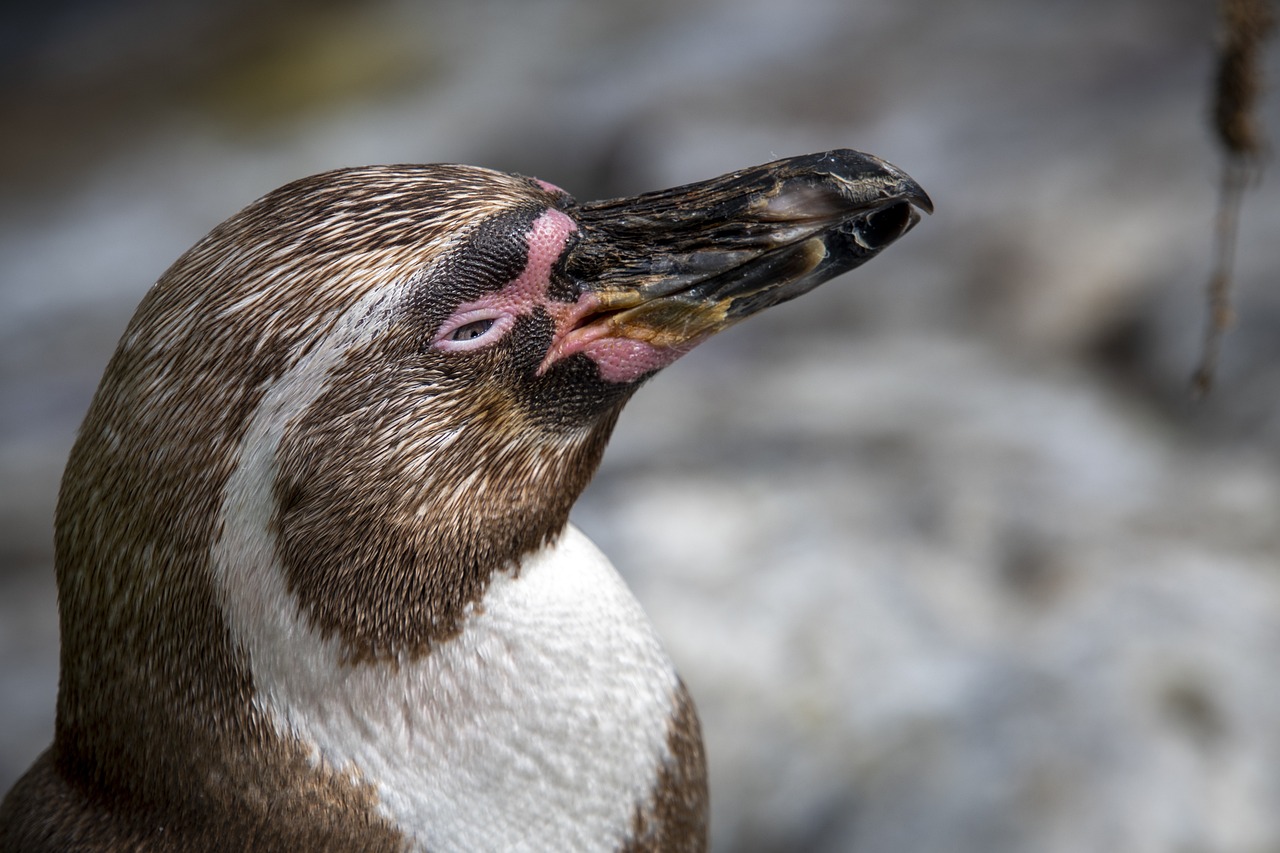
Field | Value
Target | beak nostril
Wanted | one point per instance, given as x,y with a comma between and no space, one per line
884,226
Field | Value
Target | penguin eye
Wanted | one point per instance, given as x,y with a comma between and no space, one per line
471,330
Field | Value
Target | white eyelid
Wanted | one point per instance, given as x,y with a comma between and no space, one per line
502,323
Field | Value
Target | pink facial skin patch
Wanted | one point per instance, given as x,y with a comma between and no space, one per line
626,359
619,357
546,240
549,187
482,322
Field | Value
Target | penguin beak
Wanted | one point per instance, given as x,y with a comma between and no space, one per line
670,268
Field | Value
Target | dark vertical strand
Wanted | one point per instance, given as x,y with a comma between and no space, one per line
1246,25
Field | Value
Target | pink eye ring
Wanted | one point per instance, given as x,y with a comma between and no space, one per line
472,330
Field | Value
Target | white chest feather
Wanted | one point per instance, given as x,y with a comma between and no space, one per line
541,726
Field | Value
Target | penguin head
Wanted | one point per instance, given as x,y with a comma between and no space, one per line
566,308
412,373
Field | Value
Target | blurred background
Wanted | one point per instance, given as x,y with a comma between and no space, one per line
946,554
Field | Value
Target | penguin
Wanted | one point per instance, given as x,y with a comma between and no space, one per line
318,588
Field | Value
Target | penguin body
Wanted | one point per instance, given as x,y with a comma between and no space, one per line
317,584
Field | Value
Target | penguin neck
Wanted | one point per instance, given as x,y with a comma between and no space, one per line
397,563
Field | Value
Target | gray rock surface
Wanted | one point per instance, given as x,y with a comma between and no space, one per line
945,555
